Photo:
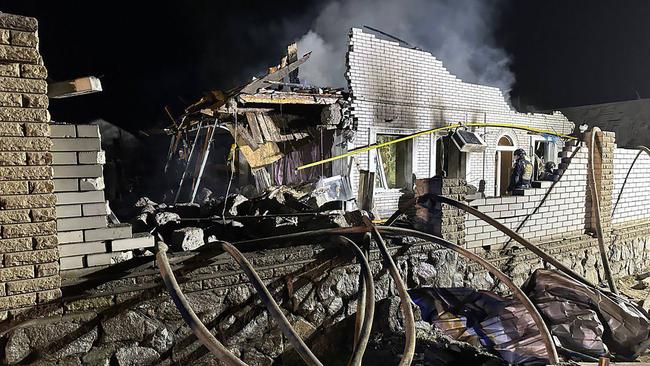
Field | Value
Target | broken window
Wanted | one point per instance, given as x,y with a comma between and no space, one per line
393,163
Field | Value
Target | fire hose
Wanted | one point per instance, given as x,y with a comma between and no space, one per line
206,338
499,226
641,149
198,328
405,299
518,293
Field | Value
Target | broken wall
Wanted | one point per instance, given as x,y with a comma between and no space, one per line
399,90
546,210
86,238
29,269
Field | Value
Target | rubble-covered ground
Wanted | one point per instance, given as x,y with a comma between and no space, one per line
638,288
278,210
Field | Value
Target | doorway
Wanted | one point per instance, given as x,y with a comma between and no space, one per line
503,163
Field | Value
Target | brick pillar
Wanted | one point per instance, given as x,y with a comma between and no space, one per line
604,175
440,219
29,269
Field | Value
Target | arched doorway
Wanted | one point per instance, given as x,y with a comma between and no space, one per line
503,164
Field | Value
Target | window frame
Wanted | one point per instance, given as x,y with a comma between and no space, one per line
377,163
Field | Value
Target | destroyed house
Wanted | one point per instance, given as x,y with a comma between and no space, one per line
405,143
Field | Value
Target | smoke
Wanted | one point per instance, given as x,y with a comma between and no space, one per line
458,32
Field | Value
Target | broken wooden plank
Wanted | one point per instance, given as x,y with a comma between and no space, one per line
273,128
277,75
263,127
292,56
289,98
255,128
266,154
246,136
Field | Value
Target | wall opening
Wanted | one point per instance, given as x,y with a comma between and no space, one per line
503,163
394,166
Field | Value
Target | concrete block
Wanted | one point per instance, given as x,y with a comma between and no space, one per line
542,184
68,211
76,144
92,157
71,262
94,209
64,158
63,131
77,171
68,198
91,184
78,249
80,223
88,131
66,185
139,240
70,236
107,258
119,231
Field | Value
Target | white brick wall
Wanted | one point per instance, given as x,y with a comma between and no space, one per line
400,90
634,203
563,211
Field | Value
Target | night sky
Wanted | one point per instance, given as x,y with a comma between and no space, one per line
151,54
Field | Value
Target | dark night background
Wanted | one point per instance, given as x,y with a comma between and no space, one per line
152,54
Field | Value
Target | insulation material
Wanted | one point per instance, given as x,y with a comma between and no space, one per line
587,321
483,319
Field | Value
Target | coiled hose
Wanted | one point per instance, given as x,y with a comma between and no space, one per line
364,318
521,296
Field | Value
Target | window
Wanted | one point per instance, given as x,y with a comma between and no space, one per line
544,152
393,163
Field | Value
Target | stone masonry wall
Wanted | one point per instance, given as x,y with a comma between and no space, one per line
29,269
399,90
132,320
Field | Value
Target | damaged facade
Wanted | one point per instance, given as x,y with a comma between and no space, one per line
259,137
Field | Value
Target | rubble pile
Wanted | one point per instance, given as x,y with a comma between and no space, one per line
278,210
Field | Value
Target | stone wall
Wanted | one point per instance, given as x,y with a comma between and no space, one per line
29,269
107,319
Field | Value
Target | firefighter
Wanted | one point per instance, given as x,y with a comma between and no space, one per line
548,172
522,172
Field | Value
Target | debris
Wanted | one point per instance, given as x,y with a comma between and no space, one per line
187,238
163,218
484,320
588,321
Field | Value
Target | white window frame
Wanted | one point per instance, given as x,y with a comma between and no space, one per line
497,168
375,162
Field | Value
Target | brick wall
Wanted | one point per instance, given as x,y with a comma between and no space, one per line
603,161
398,90
634,203
29,270
561,212
86,239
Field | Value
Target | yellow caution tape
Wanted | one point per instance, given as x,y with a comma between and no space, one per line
428,132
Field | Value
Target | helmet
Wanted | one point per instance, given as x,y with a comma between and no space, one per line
520,152
549,165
